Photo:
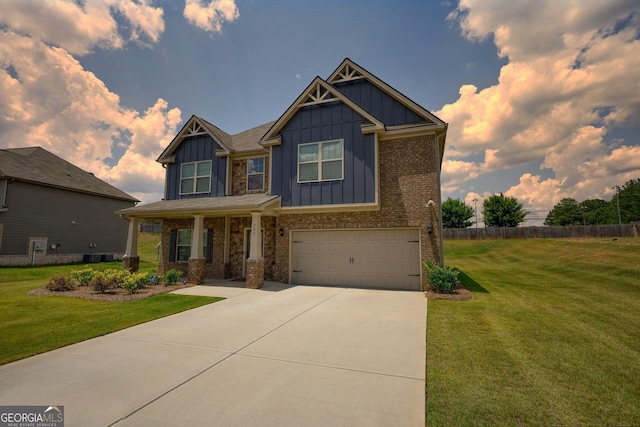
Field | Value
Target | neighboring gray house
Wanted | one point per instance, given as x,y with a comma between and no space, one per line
54,212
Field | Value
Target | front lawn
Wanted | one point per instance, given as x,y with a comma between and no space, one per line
551,337
34,324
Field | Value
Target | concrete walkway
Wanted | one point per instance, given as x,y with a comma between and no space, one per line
279,356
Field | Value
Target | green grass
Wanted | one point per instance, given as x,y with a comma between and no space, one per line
30,324
551,337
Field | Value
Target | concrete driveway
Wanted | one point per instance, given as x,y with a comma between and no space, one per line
279,356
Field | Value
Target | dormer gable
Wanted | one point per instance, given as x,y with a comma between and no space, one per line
195,126
319,92
349,71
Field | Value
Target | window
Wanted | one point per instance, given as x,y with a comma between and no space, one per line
183,244
320,161
255,174
195,177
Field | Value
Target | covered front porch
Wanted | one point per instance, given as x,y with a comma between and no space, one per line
210,238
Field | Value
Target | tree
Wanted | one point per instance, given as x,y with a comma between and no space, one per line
598,211
566,212
456,214
629,197
503,211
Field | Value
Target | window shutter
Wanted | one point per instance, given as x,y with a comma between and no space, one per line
172,244
209,245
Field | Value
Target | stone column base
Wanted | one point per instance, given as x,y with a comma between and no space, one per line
196,270
255,273
131,263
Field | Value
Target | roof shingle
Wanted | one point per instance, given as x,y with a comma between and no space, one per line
37,165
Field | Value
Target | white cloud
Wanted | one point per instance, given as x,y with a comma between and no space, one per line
455,173
210,15
51,101
79,27
569,80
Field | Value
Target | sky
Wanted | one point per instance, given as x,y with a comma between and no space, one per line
542,97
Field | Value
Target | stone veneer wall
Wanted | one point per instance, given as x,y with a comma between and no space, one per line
408,180
239,177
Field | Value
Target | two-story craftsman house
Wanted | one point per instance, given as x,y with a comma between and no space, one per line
343,189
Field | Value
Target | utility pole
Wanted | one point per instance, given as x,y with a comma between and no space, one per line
617,188
475,208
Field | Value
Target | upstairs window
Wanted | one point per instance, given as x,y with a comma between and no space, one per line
255,174
195,177
321,161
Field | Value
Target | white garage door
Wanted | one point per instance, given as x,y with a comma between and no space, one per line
387,259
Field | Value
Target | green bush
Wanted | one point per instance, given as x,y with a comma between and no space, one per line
172,276
443,279
59,284
135,281
104,280
84,276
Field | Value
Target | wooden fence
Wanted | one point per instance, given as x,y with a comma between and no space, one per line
576,231
150,228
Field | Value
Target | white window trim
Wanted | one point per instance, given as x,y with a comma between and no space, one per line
204,243
320,161
195,176
178,245
261,173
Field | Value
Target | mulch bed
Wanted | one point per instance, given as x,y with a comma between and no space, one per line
113,295
460,294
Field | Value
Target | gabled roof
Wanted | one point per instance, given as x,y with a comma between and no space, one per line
195,126
349,70
246,141
319,92
249,140
39,166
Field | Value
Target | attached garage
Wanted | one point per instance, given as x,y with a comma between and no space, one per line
384,259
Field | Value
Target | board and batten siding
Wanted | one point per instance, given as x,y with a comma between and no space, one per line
196,149
325,122
379,104
69,218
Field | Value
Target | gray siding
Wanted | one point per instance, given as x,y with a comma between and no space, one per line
70,218
192,149
382,106
321,123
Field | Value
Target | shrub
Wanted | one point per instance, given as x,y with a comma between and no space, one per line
172,276
135,281
104,280
84,276
443,279
59,284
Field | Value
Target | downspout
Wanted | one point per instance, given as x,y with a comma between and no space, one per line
438,170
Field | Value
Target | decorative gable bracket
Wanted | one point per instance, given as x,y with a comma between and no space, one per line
194,129
346,74
318,95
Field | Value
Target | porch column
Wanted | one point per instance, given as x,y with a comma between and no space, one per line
131,260
197,261
255,263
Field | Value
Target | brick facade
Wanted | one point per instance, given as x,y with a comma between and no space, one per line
255,273
239,177
213,270
196,270
408,180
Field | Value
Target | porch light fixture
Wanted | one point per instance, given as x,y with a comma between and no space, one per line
281,232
